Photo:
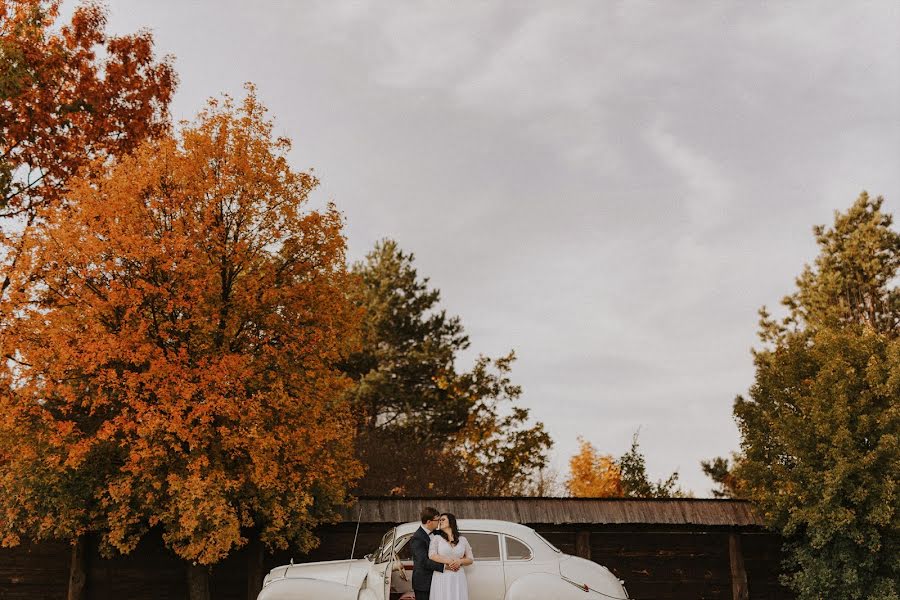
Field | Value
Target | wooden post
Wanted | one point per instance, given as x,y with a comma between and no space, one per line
78,570
255,558
739,588
583,544
198,582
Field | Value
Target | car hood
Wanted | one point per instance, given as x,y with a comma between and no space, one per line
583,572
301,587
332,570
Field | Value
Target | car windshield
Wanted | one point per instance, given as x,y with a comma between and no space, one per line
543,539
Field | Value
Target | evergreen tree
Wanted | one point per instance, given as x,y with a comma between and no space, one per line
722,471
406,366
635,481
821,426
423,427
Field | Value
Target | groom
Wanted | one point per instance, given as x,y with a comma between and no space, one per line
423,567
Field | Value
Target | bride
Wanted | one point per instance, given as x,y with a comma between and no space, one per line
449,548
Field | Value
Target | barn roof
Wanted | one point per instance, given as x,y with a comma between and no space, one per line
564,511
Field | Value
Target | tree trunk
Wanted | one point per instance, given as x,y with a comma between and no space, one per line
78,570
198,582
255,557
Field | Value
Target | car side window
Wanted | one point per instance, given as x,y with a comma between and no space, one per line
404,548
516,550
485,546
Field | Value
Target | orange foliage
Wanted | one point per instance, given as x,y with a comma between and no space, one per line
173,350
62,106
593,475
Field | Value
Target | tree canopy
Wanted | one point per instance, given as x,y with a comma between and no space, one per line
61,106
595,475
636,482
821,425
462,427
171,363
723,473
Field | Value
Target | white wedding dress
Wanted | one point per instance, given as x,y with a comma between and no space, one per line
450,585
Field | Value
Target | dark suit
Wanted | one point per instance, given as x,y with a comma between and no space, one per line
423,567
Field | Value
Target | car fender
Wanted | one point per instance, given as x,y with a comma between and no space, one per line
540,586
367,595
585,573
292,588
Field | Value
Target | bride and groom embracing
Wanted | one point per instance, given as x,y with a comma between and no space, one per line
439,553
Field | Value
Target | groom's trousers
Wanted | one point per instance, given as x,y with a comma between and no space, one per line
420,595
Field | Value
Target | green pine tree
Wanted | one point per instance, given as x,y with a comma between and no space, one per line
821,426
635,481
722,471
424,427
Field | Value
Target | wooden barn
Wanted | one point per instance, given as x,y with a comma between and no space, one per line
663,549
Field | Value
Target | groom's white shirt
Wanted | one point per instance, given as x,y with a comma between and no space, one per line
425,529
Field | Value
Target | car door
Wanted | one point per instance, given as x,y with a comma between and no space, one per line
379,578
485,577
404,553
519,560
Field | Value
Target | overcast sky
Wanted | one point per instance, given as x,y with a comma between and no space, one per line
612,189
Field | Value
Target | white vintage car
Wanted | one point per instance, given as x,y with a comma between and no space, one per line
512,562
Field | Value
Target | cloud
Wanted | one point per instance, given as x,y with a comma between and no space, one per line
704,191
610,188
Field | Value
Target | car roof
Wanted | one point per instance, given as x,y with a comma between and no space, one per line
490,525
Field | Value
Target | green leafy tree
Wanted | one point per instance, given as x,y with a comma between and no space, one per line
821,426
424,427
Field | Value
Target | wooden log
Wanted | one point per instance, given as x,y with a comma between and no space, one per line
583,544
78,570
739,588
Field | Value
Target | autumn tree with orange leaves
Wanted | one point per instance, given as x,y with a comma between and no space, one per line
600,475
62,106
171,363
593,475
